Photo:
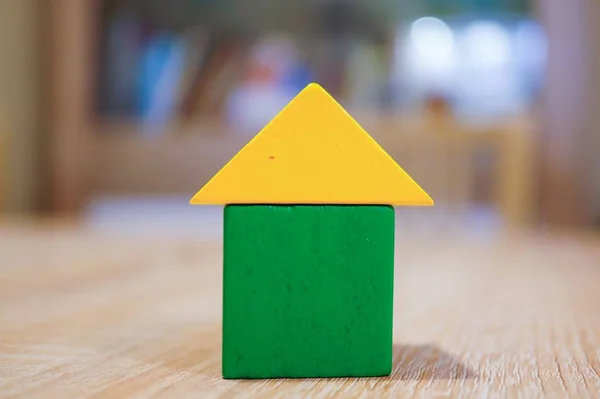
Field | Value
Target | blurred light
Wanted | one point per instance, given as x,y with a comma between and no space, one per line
432,39
430,58
487,44
531,45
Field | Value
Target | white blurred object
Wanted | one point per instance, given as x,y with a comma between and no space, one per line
432,39
430,54
531,47
486,45
488,77
487,69
262,95
253,105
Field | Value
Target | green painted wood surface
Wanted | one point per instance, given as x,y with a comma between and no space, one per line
308,291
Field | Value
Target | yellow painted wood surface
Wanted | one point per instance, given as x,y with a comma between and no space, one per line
313,152
85,314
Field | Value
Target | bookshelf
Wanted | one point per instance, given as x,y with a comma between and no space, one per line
106,98
99,148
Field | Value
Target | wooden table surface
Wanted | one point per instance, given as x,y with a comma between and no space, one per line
84,314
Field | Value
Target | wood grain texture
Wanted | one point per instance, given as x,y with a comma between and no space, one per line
308,290
88,315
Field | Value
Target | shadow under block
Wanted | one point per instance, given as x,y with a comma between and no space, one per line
308,291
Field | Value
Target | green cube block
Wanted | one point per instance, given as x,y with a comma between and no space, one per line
308,291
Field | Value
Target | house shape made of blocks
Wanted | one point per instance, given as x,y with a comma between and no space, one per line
309,245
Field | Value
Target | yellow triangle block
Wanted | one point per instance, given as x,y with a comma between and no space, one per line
312,152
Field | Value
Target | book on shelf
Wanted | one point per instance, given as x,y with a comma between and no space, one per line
157,76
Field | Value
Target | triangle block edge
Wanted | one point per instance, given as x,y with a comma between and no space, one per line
283,165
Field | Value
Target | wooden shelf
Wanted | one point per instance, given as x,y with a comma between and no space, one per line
180,159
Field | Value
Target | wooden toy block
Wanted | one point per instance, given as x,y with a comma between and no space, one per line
313,152
307,290
309,245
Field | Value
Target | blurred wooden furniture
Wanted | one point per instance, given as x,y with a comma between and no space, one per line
3,166
569,148
84,314
442,159
3,161
93,157
20,66
565,151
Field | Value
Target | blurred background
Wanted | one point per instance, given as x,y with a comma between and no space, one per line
117,111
